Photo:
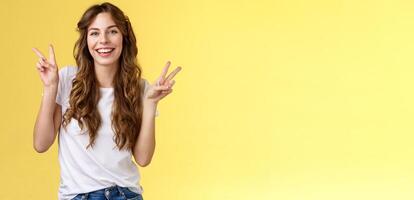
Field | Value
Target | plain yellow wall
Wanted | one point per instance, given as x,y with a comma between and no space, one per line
278,99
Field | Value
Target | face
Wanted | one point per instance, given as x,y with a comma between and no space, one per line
104,40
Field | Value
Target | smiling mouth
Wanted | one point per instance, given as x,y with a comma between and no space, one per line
105,51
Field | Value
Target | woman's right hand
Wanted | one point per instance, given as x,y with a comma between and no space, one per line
48,69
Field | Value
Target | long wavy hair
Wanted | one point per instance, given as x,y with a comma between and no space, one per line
127,106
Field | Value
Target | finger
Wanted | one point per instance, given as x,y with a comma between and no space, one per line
167,91
173,73
159,80
41,61
164,72
39,67
52,54
171,83
44,63
38,53
40,70
160,87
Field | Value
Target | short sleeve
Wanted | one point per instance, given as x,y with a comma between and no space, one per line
61,86
144,91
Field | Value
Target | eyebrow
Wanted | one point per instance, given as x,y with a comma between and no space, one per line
98,28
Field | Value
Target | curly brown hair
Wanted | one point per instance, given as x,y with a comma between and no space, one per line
127,106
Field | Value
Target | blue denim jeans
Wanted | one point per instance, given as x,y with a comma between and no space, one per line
110,193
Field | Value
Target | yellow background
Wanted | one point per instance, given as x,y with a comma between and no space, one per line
278,99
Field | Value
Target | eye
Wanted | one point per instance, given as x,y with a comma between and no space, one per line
93,33
113,32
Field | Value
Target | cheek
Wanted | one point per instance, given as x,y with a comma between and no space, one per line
91,43
119,41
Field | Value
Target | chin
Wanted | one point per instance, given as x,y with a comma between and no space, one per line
107,61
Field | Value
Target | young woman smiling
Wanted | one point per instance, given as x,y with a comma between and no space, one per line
102,110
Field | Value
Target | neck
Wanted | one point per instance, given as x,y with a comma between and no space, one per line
105,75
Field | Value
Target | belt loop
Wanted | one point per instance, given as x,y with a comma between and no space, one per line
107,192
120,191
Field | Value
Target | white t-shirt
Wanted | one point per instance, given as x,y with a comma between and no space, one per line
103,165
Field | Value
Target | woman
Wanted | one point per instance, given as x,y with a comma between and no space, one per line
103,110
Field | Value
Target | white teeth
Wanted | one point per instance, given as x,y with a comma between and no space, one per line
104,50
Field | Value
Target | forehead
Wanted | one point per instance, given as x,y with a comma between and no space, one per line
102,21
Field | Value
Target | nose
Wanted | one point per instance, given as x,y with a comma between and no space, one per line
103,39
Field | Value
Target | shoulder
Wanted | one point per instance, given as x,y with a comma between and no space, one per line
144,82
67,74
144,85
68,71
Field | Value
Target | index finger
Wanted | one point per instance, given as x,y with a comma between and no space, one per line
173,73
38,53
165,70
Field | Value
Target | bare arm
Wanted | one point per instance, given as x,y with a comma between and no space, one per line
145,145
48,122
49,117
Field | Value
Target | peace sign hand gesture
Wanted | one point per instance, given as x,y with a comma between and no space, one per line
48,69
163,86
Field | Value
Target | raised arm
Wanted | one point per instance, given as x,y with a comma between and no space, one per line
145,145
49,117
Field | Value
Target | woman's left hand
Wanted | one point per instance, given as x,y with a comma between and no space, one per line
162,86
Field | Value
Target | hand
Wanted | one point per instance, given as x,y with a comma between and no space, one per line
48,69
163,86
